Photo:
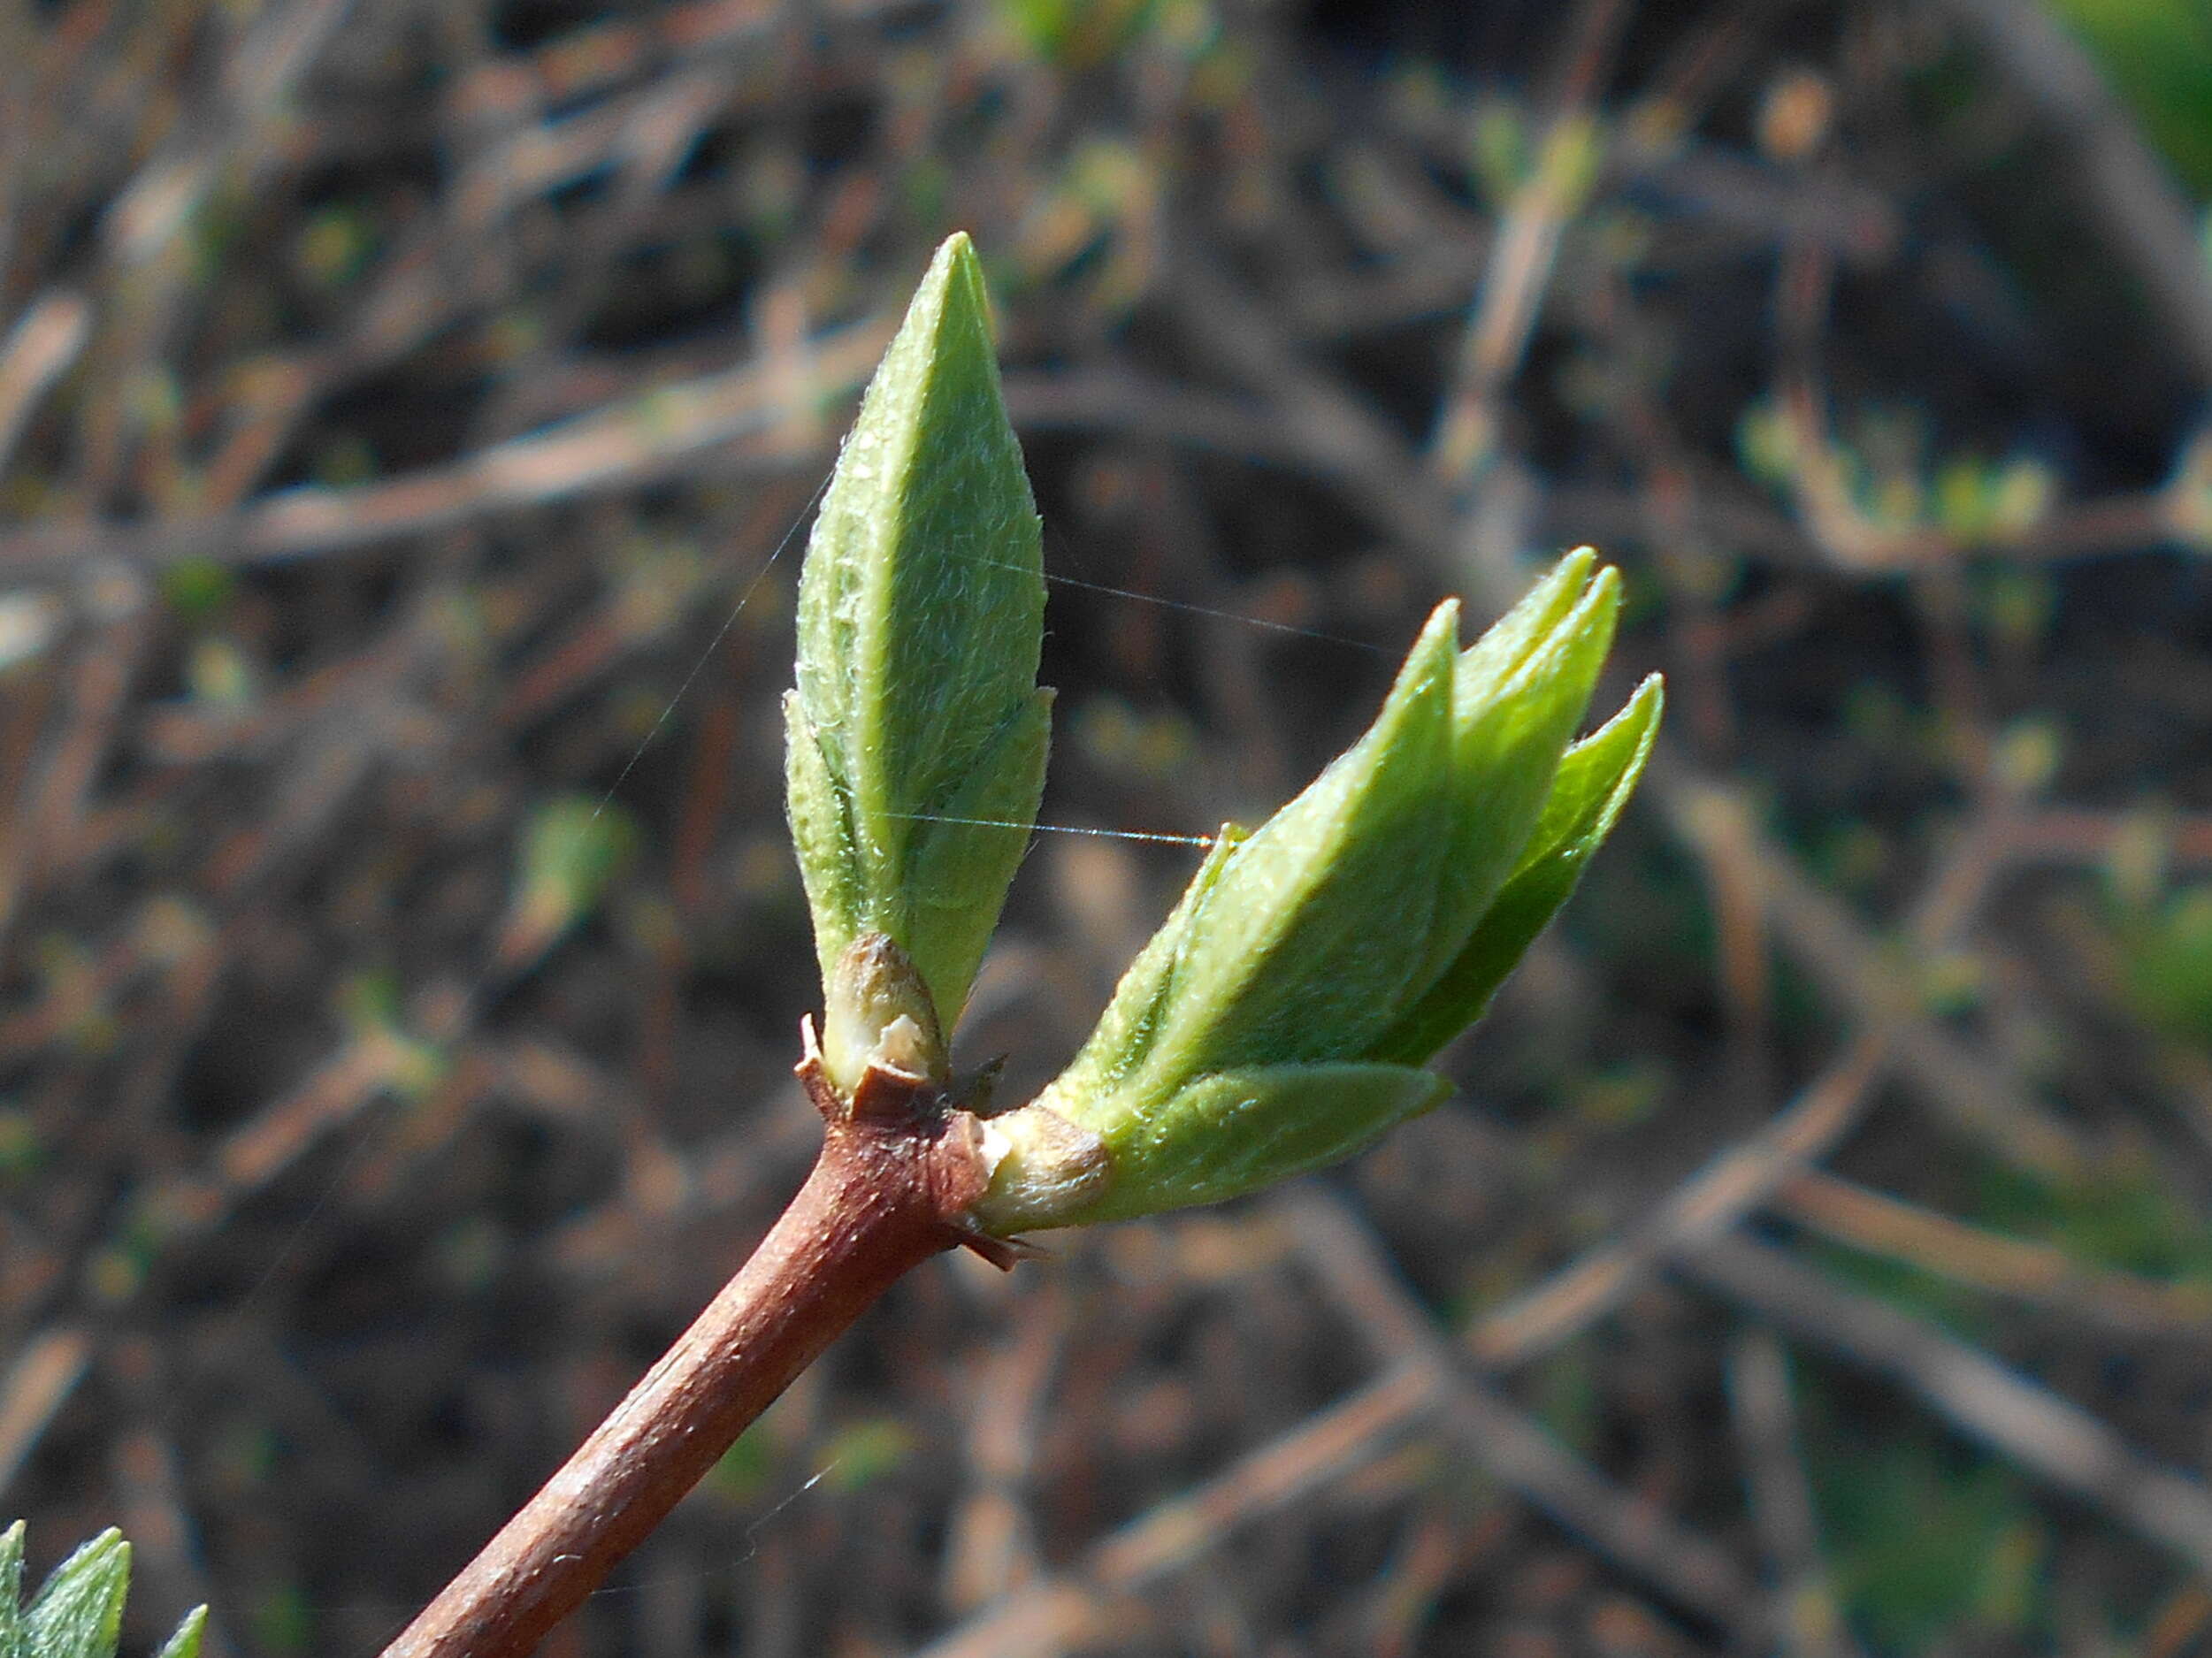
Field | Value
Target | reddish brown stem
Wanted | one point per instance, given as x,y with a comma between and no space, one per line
898,1169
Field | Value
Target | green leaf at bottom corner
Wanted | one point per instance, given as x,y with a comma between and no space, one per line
12,1592
1234,1131
79,1610
186,1642
1593,783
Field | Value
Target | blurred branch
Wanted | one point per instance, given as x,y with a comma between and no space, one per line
1707,1205
1567,150
1098,1595
651,436
1969,1086
1765,1420
1873,1221
1626,1525
2122,182
2057,1441
47,1370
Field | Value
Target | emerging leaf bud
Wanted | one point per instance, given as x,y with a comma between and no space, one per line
916,735
877,1013
1275,1023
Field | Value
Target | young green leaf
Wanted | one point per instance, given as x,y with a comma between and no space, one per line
917,732
12,1592
184,1643
78,1612
1593,783
1271,1026
1228,1133
1124,1035
1511,722
1285,961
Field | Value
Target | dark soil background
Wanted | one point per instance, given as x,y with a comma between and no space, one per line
403,406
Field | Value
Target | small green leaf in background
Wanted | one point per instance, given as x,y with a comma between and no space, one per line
197,589
78,1612
1968,1573
572,847
2167,959
2158,54
916,734
857,1456
1275,1023
1079,34
742,1473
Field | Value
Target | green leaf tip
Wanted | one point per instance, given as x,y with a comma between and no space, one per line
916,734
78,1611
184,1643
12,1592
1277,1021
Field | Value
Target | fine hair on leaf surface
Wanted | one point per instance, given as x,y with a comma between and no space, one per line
78,1611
